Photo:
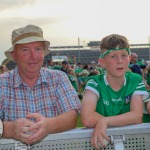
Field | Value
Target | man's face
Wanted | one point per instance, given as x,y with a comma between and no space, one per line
134,57
29,57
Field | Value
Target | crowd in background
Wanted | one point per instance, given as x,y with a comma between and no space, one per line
3,69
79,73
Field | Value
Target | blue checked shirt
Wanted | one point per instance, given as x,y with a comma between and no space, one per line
52,95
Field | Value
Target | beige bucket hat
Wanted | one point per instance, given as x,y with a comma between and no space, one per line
27,34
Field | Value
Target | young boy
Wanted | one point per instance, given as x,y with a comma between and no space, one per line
114,98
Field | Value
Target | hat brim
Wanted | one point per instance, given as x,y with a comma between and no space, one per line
28,40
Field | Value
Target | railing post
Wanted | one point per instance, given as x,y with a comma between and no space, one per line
118,141
20,146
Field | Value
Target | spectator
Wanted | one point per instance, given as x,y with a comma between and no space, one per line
3,69
50,64
137,66
34,101
79,68
57,66
65,66
86,69
84,79
72,60
146,116
114,98
93,65
100,68
73,78
94,72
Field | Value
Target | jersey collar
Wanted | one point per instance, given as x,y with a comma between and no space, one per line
106,82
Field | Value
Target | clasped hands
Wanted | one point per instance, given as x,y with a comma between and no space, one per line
28,131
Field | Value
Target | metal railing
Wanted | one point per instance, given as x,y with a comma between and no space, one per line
132,137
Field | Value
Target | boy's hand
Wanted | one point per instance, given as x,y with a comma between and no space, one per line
99,134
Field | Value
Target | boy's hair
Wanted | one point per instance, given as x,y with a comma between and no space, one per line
113,41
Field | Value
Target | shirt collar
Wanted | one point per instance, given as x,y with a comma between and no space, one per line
106,82
18,80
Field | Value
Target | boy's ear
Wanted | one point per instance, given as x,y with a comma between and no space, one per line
129,58
101,60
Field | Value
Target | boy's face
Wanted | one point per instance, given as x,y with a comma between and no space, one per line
116,63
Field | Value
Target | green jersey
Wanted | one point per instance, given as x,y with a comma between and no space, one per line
101,70
78,70
50,67
83,80
57,67
110,102
73,81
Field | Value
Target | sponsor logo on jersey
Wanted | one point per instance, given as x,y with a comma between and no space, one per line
106,102
116,100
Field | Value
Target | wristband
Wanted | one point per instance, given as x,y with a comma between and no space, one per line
1,128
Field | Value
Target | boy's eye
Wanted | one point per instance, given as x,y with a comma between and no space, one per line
113,56
124,55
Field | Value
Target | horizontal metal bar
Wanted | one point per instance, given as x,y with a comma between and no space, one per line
87,132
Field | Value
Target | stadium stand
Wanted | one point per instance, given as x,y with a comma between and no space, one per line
87,54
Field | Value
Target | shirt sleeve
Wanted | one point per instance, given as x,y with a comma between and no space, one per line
92,86
141,90
67,96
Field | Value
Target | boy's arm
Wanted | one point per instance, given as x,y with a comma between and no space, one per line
132,117
89,116
148,107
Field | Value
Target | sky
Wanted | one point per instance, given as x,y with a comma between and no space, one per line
63,21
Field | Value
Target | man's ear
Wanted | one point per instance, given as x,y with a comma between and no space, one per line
13,55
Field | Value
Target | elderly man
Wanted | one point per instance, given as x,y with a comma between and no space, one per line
34,101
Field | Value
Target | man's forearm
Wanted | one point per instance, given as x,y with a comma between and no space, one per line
63,122
7,129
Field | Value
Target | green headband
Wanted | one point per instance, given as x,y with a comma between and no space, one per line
114,49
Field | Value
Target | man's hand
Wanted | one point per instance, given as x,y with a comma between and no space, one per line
36,127
19,129
38,130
